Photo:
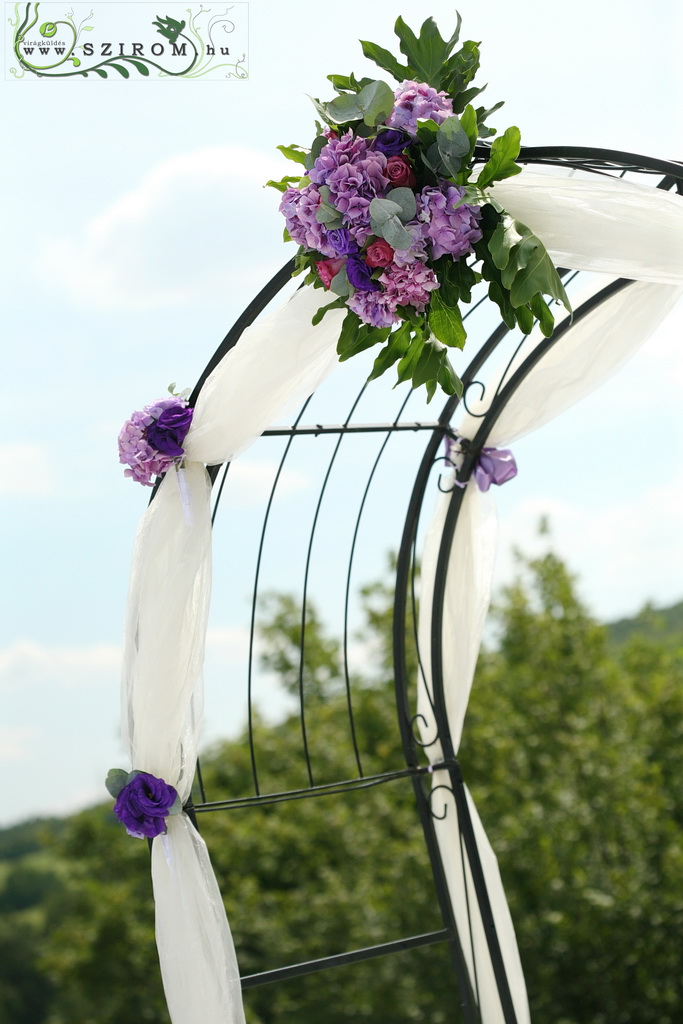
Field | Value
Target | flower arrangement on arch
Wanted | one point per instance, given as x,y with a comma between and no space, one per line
392,218
150,442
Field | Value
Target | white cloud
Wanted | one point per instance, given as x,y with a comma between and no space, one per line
25,663
26,471
186,232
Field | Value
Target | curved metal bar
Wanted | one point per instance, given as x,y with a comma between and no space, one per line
347,593
305,587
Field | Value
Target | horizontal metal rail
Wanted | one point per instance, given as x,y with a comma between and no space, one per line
349,428
341,959
325,789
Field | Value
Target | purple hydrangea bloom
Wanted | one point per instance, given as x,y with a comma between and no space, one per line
168,432
416,100
144,459
341,241
450,231
299,207
390,142
418,248
142,805
360,274
409,285
355,175
375,308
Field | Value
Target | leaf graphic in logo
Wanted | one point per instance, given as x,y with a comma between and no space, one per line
169,27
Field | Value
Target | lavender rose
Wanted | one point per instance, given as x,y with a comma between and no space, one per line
168,432
341,241
142,805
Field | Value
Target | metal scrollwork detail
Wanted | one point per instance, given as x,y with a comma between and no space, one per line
432,792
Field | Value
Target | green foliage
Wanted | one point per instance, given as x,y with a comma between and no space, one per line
573,750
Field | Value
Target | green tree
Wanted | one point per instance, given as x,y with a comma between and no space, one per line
572,751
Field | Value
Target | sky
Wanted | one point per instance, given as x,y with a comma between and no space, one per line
136,228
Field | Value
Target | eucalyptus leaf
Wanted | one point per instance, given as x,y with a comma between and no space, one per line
376,102
470,125
322,110
501,164
445,321
343,108
453,143
427,130
116,779
177,806
326,214
319,142
396,235
381,210
405,198
340,283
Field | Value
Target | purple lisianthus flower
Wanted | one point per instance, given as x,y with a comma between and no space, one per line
360,274
391,142
449,230
143,458
409,285
168,432
142,805
375,308
418,101
341,241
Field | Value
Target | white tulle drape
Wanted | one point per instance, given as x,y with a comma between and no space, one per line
611,228
276,364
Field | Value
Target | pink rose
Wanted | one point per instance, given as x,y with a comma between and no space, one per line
327,269
379,254
399,172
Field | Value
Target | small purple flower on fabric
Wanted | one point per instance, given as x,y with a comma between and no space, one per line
168,432
359,274
151,440
143,802
493,466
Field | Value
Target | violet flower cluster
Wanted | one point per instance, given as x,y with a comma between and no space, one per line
151,440
350,171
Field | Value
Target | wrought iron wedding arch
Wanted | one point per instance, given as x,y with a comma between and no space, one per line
419,741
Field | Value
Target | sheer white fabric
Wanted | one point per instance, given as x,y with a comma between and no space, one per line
590,227
276,363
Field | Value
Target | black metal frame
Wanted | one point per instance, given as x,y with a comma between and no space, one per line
597,161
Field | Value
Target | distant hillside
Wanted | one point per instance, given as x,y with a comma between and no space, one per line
664,624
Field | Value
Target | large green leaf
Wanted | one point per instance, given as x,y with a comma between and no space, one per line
385,60
501,164
445,321
460,69
425,54
396,347
525,266
320,313
294,152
